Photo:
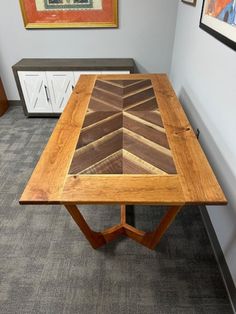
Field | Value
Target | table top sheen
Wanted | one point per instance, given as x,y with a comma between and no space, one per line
123,139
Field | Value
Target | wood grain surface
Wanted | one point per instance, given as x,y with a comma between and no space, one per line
47,181
184,176
123,189
198,181
130,139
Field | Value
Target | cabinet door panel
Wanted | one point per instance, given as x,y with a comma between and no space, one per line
78,73
35,91
61,85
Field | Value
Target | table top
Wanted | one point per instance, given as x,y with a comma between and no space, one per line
123,139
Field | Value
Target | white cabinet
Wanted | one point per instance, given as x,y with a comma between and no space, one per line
35,90
45,85
47,92
60,86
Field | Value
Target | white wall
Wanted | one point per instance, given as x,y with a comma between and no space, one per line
203,75
146,33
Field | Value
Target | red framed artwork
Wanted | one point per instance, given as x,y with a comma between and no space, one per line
69,13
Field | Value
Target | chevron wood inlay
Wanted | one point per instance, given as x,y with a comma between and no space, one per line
123,132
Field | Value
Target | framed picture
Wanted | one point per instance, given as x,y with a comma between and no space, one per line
69,13
218,18
191,2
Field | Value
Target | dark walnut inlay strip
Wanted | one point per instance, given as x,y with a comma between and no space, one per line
123,132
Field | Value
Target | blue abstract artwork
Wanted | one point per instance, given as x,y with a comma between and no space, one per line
224,10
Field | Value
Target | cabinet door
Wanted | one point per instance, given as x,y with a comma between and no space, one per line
60,85
35,91
78,73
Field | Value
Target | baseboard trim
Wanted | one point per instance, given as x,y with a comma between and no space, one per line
223,267
14,103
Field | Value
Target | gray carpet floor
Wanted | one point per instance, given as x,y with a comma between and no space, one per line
46,265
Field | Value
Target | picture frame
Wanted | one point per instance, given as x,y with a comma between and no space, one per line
190,2
218,18
40,14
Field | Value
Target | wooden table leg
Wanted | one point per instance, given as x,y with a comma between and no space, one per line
148,239
123,214
96,239
151,239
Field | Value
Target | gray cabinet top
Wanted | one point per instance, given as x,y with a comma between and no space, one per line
75,64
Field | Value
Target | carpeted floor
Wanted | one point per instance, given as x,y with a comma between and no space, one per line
46,265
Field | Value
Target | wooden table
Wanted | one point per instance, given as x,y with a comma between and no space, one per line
123,139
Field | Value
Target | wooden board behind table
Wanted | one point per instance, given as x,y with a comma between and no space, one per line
3,100
149,154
